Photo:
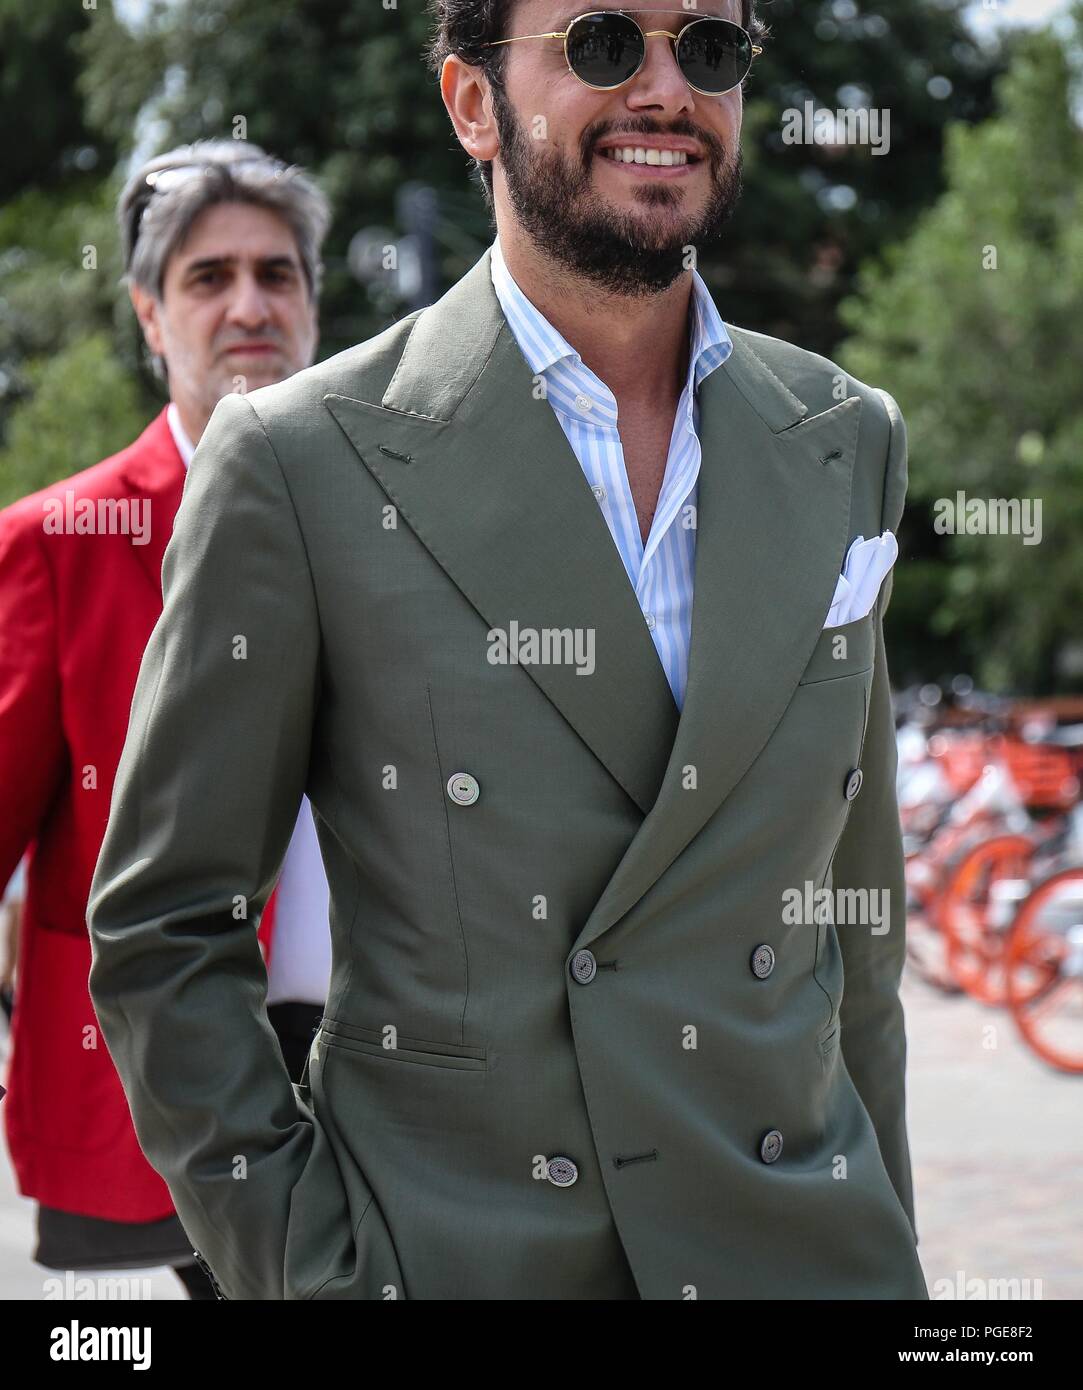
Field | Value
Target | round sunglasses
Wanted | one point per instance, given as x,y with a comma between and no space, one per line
606,48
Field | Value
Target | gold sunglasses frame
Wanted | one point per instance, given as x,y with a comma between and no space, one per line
647,34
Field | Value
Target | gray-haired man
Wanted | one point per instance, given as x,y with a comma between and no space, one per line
222,251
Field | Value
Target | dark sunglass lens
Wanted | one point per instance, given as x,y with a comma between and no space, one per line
714,55
604,49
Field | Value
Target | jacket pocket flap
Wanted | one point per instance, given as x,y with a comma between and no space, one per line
372,1041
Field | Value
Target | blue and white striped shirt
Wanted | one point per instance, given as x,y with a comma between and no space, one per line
661,573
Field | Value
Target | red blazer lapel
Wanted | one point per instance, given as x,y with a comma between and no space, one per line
155,471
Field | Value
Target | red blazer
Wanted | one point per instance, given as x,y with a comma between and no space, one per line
76,612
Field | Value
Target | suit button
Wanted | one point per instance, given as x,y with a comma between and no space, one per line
763,962
771,1145
561,1171
584,967
853,783
463,789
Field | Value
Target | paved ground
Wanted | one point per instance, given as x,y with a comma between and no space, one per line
997,1142
21,1278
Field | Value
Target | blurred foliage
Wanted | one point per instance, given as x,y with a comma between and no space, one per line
340,89
59,261
343,90
47,139
59,277
83,406
811,213
984,357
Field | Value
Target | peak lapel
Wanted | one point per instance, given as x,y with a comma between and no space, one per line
773,522
494,491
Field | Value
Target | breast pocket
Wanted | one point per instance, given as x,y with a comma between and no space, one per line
842,651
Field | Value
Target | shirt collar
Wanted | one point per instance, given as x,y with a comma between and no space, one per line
185,447
543,345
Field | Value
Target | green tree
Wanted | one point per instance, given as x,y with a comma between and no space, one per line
812,213
83,406
46,137
975,324
344,90
69,345
58,261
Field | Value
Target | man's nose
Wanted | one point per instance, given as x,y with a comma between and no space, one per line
660,82
249,305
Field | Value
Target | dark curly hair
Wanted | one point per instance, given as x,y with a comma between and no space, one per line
464,26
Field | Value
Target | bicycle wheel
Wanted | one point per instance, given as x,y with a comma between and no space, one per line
1044,970
973,916
925,945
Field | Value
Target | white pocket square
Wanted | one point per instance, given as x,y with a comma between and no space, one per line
867,561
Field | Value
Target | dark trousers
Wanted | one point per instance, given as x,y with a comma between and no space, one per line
296,1026
67,1240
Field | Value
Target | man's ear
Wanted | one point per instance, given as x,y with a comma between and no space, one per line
146,311
466,94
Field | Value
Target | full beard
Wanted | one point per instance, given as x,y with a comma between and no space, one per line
572,225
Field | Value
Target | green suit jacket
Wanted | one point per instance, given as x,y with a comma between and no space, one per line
568,966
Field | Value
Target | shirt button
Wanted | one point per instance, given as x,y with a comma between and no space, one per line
599,492
584,967
853,783
463,789
763,962
771,1146
561,1171
650,620
584,402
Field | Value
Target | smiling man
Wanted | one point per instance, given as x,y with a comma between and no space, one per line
603,198
578,1044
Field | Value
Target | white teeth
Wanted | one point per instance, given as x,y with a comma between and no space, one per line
638,154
